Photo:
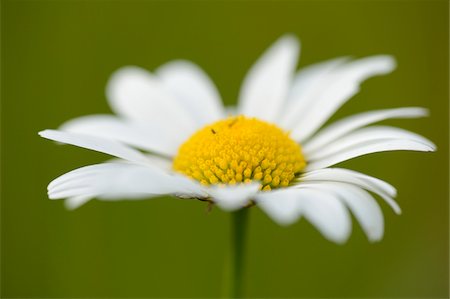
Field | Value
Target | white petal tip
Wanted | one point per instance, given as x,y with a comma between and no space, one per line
54,195
124,75
68,206
49,134
374,234
73,203
285,222
280,216
428,147
391,62
387,63
428,143
44,133
290,39
51,194
375,239
126,70
422,112
412,112
339,241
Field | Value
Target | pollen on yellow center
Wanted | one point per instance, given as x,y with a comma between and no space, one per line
240,150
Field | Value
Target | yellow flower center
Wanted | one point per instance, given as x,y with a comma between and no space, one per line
240,150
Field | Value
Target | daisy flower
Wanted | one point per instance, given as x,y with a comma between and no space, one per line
171,135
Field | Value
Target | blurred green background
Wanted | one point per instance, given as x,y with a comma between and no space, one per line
56,59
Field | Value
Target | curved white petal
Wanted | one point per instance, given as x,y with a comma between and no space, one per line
160,162
144,136
137,95
280,205
350,176
266,85
342,84
75,202
366,210
98,144
327,213
232,198
348,124
364,136
321,207
79,174
380,146
363,206
111,181
193,89
377,186
307,84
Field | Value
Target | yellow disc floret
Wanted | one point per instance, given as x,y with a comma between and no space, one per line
240,150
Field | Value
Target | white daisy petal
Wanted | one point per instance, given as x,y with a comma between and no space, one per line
363,206
102,145
76,179
96,144
280,205
232,198
89,176
380,146
327,213
77,191
78,173
321,207
266,84
366,210
193,89
307,83
342,85
351,177
377,186
81,181
137,95
120,180
348,124
75,202
144,136
364,136
161,163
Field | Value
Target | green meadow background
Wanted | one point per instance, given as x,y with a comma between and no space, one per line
56,57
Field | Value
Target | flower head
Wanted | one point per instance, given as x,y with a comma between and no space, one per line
173,136
240,150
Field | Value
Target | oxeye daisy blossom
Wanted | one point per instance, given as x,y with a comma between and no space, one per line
171,135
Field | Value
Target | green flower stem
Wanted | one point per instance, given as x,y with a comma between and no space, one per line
237,250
